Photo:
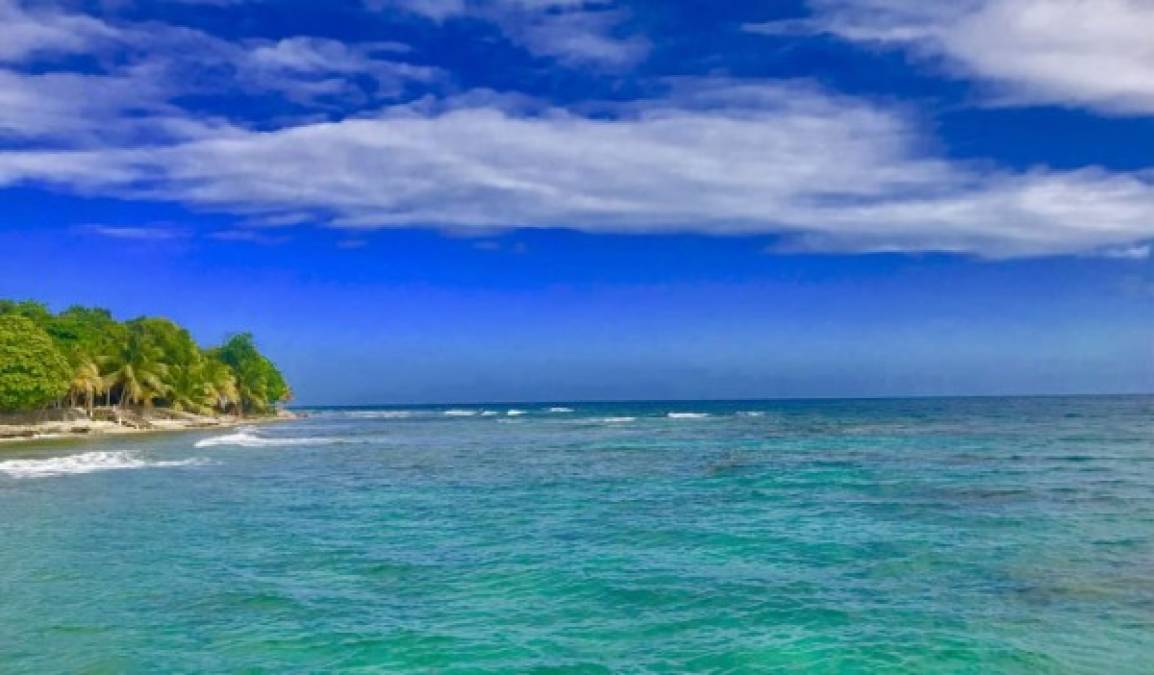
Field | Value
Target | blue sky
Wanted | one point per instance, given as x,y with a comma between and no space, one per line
451,200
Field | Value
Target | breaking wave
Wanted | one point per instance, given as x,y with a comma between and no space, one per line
560,409
687,415
89,462
460,413
246,439
380,414
617,420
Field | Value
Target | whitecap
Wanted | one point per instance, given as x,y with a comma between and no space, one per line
687,415
515,413
247,439
750,413
617,420
460,413
89,462
489,413
560,409
381,414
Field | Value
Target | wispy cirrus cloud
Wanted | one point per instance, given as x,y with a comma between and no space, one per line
1097,55
816,170
249,236
573,32
823,172
134,77
311,70
153,233
45,30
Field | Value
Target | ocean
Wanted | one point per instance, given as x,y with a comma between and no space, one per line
981,535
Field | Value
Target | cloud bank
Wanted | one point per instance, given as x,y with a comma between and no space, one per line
826,172
816,170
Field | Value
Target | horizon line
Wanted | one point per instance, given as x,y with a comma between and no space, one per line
778,399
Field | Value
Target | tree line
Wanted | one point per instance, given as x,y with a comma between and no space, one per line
83,357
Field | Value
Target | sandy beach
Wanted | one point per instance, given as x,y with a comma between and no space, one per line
75,424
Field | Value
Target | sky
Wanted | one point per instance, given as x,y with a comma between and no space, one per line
519,200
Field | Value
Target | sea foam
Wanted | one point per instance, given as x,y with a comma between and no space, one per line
246,439
381,414
89,462
560,409
687,415
460,413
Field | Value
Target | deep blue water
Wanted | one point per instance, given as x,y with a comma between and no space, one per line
952,535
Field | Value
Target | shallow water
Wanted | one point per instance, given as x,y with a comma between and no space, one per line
969,535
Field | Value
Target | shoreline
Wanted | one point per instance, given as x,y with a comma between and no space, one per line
18,434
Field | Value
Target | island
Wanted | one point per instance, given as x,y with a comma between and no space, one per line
81,372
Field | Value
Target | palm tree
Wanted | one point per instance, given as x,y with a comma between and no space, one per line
137,370
188,388
86,385
221,383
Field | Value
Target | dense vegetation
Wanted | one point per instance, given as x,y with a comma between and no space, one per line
83,357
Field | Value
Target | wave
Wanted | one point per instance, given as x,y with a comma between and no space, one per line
460,413
247,439
617,420
89,462
489,413
381,414
515,413
750,413
687,415
560,409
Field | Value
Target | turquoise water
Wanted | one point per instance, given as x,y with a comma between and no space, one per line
968,536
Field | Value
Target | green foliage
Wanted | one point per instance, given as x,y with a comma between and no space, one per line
221,383
85,333
86,384
149,361
260,385
136,367
35,311
33,372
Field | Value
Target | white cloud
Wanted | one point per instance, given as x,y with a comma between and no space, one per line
84,110
573,32
828,173
249,236
1094,54
438,10
134,74
825,172
309,69
578,37
47,31
1133,252
136,233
